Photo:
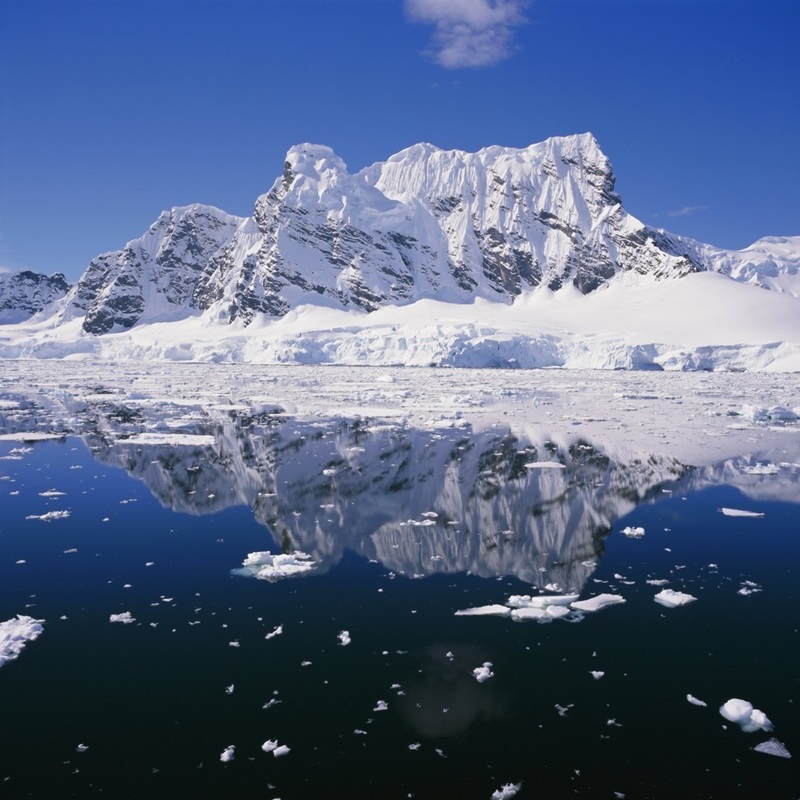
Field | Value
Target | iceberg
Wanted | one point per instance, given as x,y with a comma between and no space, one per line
672,599
742,713
772,747
15,633
267,567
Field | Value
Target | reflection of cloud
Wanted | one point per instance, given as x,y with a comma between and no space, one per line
469,33
686,211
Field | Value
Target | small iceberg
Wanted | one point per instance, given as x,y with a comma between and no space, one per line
738,512
742,713
598,602
694,701
772,747
482,674
125,617
227,753
633,533
506,791
267,567
484,611
672,599
15,633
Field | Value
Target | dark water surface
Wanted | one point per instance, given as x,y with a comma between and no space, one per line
157,530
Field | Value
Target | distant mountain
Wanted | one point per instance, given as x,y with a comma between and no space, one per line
23,294
425,225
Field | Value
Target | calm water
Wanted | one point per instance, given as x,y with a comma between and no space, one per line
405,527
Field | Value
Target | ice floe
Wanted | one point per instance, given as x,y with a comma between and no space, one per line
633,533
483,673
483,611
344,637
125,617
742,713
596,674
228,753
277,750
772,747
694,701
49,516
381,705
598,602
672,599
738,512
15,633
276,631
268,567
506,791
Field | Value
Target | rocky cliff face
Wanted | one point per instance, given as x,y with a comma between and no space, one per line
426,223
23,294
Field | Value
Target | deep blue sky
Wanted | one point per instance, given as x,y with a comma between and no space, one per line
113,110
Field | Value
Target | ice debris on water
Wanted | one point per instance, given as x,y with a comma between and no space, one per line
672,599
15,633
596,674
125,617
483,673
479,611
506,791
344,637
597,602
227,753
695,702
381,705
268,567
738,512
772,747
81,748
49,516
742,712
277,750
633,533
276,631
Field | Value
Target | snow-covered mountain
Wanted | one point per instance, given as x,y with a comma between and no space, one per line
23,294
426,225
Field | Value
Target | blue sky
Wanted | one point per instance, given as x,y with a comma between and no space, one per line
113,110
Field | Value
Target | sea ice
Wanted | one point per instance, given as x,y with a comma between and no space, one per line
694,701
479,611
506,791
633,533
672,599
541,601
344,637
596,674
125,617
268,567
741,712
49,516
738,512
598,602
483,673
772,747
381,705
15,633
227,753
277,631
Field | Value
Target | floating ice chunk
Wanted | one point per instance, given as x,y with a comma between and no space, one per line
506,791
529,612
741,712
52,493
541,601
596,674
672,599
562,710
268,567
81,748
556,612
170,438
234,643
748,588
598,602
381,705
277,631
281,750
229,689
633,533
414,746
15,633
695,702
762,469
483,673
480,611
545,465
270,745
125,617
227,753
49,516
772,747
344,637
658,582
738,512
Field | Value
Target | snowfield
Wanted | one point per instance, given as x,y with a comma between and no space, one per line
703,321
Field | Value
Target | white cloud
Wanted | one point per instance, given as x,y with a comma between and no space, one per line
686,211
469,33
